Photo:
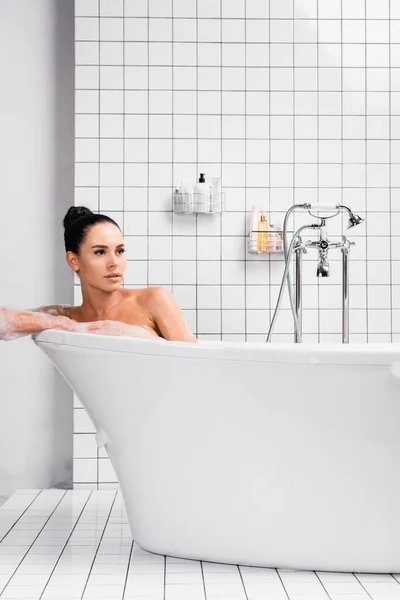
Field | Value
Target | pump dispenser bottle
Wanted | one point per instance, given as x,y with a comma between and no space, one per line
201,193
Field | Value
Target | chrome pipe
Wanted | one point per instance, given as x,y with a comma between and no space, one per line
285,274
345,297
285,255
298,293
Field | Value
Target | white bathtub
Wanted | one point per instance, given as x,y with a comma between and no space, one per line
282,456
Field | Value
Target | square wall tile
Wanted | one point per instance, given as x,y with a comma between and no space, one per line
293,102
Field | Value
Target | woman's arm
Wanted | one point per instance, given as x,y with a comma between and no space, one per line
168,316
17,323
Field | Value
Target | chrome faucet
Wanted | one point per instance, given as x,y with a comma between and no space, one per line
297,248
323,244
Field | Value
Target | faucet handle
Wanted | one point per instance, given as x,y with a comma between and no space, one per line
346,244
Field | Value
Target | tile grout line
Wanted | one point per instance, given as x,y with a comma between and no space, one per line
364,588
99,544
196,216
98,198
221,328
283,585
243,584
68,538
34,540
247,212
21,515
366,171
203,579
269,310
148,139
172,230
322,583
127,572
390,174
318,172
165,576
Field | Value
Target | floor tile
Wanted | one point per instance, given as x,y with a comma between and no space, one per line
76,545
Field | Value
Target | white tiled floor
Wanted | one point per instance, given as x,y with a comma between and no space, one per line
77,545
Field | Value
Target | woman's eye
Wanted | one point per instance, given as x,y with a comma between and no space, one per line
101,252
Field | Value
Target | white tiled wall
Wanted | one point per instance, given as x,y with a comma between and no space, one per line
288,101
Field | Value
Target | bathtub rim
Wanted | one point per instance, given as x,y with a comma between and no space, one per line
338,354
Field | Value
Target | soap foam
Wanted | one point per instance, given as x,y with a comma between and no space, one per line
12,321
116,328
7,321
19,323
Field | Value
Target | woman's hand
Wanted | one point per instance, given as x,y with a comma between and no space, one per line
63,323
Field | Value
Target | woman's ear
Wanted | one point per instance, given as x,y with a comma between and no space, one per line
72,261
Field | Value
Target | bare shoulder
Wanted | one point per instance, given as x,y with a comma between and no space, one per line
164,312
148,296
154,301
158,297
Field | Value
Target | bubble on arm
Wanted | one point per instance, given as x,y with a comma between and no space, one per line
55,310
8,321
19,323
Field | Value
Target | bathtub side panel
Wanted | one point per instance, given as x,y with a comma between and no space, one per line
281,465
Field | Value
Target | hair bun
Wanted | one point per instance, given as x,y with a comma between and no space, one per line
74,213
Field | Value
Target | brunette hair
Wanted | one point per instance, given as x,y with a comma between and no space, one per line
77,223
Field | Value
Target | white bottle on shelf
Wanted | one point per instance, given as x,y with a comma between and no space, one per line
253,228
201,194
187,193
216,195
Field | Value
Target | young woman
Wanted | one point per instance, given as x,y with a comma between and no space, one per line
95,250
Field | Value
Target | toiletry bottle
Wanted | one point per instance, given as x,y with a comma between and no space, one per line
216,195
279,236
202,195
178,199
253,228
262,235
274,238
188,196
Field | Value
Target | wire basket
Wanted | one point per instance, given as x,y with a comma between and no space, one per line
270,242
208,203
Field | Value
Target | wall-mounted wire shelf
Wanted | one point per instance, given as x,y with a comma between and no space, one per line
207,203
265,242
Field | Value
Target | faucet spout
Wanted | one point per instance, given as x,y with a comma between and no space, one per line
323,267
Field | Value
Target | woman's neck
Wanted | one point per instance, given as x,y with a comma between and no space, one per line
97,304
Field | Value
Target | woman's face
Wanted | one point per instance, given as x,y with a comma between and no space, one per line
102,258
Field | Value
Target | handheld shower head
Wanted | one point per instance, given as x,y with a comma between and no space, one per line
354,220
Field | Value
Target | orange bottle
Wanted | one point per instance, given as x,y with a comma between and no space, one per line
262,235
